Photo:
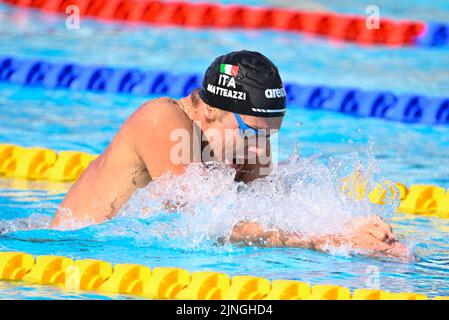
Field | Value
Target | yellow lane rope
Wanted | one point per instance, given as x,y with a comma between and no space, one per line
173,283
45,164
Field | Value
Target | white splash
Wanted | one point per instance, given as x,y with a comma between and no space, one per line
32,222
301,195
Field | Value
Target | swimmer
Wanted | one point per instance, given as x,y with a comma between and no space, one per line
242,93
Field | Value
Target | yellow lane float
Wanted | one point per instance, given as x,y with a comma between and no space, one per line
173,283
46,164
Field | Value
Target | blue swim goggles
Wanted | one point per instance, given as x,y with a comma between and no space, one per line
244,128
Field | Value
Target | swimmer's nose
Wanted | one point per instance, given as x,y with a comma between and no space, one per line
256,150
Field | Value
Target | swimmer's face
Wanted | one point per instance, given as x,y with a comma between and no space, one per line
241,147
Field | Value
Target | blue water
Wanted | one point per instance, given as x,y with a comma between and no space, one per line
64,120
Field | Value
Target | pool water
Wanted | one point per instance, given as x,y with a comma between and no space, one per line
329,146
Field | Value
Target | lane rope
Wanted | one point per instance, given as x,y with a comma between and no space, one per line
335,26
407,108
173,283
37,163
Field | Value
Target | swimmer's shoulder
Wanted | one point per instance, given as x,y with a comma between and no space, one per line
162,110
164,102
157,116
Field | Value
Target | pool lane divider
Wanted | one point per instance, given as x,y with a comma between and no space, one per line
335,26
407,108
37,163
42,164
173,283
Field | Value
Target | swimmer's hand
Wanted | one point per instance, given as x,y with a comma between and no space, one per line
370,235
374,235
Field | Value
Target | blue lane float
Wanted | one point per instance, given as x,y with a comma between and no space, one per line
434,35
409,108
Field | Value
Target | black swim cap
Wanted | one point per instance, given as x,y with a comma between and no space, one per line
245,82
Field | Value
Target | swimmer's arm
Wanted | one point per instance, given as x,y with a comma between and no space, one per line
252,233
370,234
145,141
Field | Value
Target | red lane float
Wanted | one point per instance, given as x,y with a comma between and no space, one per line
204,15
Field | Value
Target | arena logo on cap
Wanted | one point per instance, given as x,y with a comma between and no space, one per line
275,93
229,69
